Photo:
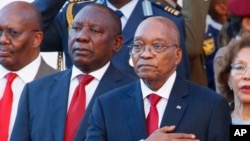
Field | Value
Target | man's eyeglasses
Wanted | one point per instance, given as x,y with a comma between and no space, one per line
156,48
239,69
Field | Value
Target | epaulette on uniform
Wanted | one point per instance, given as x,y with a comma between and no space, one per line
168,9
172,11
76,1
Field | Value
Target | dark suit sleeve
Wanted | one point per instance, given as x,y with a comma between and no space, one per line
219,123
49,9
53,33
97,128
21,129
51,23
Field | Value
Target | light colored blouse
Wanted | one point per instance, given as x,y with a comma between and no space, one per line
240,122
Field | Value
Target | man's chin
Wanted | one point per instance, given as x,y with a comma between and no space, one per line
5,61
145,75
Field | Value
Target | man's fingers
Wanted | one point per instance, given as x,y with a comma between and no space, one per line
170,129
167,129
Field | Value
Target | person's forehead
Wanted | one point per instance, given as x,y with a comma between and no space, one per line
93,11
152,26
244,51
15,12
14,21
98,17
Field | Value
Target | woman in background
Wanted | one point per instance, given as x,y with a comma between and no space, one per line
234,80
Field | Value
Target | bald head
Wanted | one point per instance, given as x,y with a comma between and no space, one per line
26,12
161,26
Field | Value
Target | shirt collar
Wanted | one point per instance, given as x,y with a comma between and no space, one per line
215,24
27,73
126,9
164,91
96,74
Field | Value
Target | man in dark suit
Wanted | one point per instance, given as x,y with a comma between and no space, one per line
94,38
137,10
184,110
20,38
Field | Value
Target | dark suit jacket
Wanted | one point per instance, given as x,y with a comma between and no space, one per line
119,115
56,32
43,106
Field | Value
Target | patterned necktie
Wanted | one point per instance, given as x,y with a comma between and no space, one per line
76,108
153,117
119,13
5,107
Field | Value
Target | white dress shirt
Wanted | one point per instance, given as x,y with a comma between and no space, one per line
25,75
91,87
126,10
163,92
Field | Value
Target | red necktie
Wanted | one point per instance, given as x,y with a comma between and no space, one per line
153,118
5,107
76,108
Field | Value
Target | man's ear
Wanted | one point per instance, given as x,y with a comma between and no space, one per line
38,37
118,43
178,55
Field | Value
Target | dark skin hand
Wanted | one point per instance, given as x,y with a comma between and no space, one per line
164,134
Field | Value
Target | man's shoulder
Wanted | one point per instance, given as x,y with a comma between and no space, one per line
203,92
165,9
120,92
114,71
168,12
50,77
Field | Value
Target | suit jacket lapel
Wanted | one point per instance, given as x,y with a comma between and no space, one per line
176,104
107,83
135,113
58,102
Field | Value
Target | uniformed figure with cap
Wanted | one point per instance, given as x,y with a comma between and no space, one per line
219,13
134,11
210,47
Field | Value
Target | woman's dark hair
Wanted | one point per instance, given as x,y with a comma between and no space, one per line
232,49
